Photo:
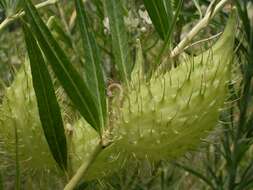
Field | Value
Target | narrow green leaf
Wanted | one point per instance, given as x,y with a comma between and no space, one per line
167,40
160,16
197,5
55,26
69,78
49,110
168,7
119,38
99,6
92,67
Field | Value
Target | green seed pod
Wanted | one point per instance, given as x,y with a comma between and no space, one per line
19,121
172,112
169,115
157,120
84,140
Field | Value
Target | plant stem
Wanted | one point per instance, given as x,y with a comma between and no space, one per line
12,18
199,26
84,167
203,40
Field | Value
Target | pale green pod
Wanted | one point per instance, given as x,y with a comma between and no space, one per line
171,113
84,139
19,112
157,120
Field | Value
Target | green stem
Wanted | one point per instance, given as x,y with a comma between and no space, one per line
84,167
12,18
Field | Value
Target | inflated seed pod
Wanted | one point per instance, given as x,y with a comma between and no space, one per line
84,139
170,114
157,120
19,113
21,134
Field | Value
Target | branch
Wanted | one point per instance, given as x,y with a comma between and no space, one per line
210,13
203,40
84,167
12,18
104,142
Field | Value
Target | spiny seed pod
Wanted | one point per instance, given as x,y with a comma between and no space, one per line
172,112
84,140
21,131
157,120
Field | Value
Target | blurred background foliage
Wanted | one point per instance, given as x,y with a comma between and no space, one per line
225,160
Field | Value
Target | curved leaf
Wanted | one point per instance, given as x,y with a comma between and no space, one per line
93,68
49,110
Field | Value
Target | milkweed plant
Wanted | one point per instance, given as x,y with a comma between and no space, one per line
91,98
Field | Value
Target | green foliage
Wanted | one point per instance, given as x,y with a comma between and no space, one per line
161,14
93,70
11,6
116,129
20,118
164,111
48,107
70,79
120,49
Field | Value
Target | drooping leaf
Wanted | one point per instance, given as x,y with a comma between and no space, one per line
119,38
160,15
49,110
92,68
70,79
